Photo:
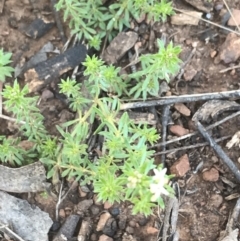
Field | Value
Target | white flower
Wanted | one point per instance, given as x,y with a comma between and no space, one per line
157,188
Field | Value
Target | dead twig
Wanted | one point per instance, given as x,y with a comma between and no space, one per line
60,198
165,115
183,65
11,119
230,68
4,226
170,203
191,146
196,132
169,100
207,21
226,160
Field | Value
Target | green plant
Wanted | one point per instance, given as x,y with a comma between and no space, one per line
11,152
31,126
160,65
25,110
124,169
5,70
122,172
92,21
154,67
102,77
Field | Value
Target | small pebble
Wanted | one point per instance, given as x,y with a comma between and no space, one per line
218,6
208,16
107,205
142,220
180,167
93,237
56,225
81,192
115,211
67,211
183,109
122,221
47,94
95,210
216,200
130,230
104,237
151,230
110,227
85,189
178,130
132,224
103,220
85,205
62,213
211,175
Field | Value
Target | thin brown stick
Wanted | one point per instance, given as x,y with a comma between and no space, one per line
11,119
207,21
191,146
196,132
230,68
182,98
165,115
223,156
11,232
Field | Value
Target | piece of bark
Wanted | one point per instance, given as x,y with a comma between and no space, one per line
186,19
39,27
213,108
30,178
39,57
44,72
119,46
68,228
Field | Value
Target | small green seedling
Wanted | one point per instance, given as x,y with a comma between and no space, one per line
155,67
5,70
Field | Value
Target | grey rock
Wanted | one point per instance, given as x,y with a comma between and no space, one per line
110,227
29,223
